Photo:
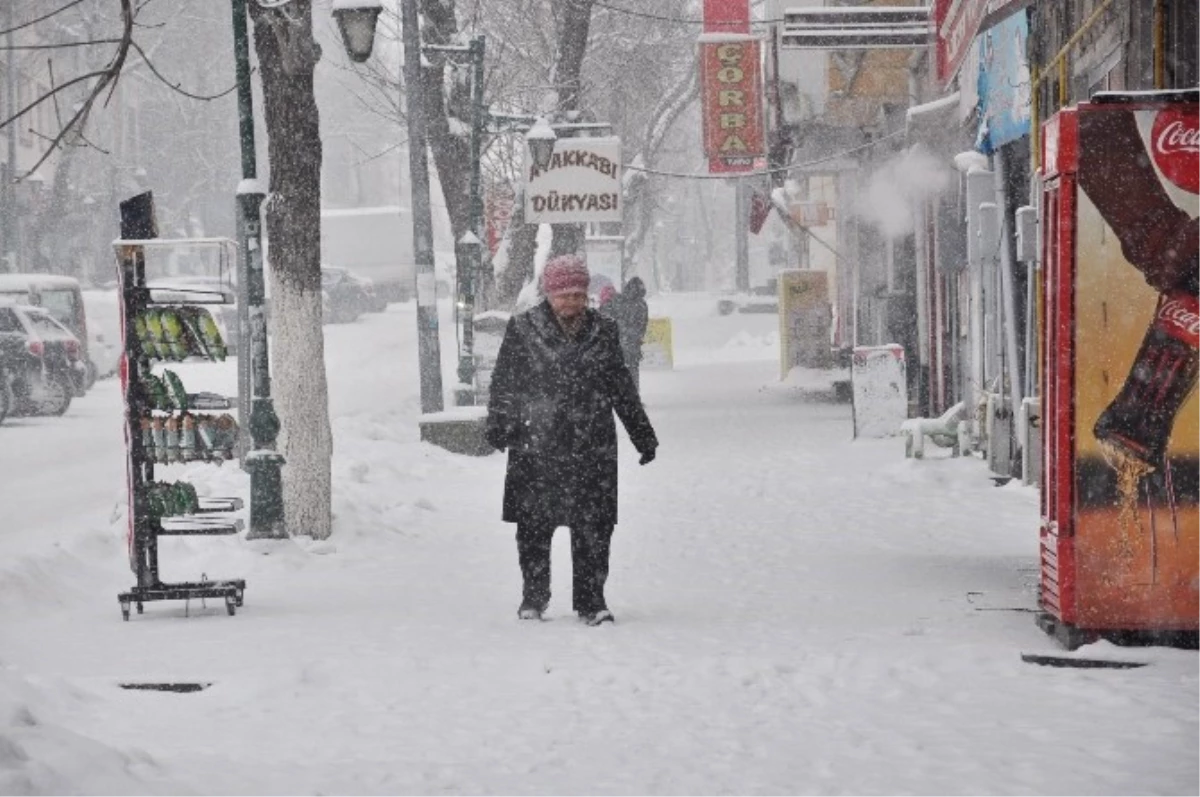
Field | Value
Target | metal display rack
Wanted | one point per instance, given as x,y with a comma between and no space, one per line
159,509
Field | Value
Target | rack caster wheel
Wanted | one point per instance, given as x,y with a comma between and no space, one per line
231,604
238,596
125,611
140,607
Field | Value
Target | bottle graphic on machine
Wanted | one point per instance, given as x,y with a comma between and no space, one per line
1139,420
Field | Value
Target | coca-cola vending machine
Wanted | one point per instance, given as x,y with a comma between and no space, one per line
1118,333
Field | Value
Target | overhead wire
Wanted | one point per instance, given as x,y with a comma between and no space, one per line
764,172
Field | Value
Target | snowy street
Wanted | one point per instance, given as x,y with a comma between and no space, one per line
796,612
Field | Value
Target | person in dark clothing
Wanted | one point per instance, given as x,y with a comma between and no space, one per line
628,308
558,378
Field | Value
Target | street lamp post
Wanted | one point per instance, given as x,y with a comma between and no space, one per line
469,254
469,248
264,464
472,239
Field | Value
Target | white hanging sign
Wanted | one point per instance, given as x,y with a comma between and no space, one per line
581,184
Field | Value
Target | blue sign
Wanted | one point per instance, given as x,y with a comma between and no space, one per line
1005,84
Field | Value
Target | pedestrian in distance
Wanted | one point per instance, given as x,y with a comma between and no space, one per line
628,308
558,379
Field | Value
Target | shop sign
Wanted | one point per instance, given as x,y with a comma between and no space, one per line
1005,84
955,23
732,102
581,184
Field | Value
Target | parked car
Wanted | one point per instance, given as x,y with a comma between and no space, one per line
104,331
61,297
41,362
373,300
343,296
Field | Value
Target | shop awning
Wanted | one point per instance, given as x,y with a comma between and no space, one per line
937,125
855,28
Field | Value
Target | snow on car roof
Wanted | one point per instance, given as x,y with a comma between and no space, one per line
25,281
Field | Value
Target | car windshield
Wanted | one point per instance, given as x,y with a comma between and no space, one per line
47,327
331,276
61,305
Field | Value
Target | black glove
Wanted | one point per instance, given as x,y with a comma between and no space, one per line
647,456
496,438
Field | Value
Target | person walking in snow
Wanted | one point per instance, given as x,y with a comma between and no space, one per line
628,308
558,378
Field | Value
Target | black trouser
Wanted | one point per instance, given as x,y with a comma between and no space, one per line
590,545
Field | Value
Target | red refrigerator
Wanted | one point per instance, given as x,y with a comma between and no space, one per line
1118,335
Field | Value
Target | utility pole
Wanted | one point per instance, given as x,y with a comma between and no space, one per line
264,464
9,197
742,234
429,349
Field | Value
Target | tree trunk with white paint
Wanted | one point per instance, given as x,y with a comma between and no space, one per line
302,402
287,57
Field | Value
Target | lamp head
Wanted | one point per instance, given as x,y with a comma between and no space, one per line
540,139
356,20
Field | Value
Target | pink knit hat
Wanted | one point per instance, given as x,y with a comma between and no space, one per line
565,274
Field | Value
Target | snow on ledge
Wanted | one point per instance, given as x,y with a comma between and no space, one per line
349,5
916,112
717,37
451,414
251,185
966,161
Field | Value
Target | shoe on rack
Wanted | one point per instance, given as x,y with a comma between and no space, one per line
528,612
596,618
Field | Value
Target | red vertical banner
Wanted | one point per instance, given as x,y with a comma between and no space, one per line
726,16
731,80
732,104
498,211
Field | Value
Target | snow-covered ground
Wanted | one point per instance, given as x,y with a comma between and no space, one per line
797,612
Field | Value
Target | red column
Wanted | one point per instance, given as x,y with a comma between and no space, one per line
726,16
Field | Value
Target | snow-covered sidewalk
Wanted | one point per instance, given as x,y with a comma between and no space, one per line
797,612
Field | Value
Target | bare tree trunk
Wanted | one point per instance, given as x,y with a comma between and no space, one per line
574,28
287,57
521,249
48,253
451,153
641,191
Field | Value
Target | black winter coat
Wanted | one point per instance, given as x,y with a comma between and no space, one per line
628,308
551,404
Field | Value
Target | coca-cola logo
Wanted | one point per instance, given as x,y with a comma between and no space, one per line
1175,137
1175,145
1181,316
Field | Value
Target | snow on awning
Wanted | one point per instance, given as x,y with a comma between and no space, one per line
938,109
936,125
